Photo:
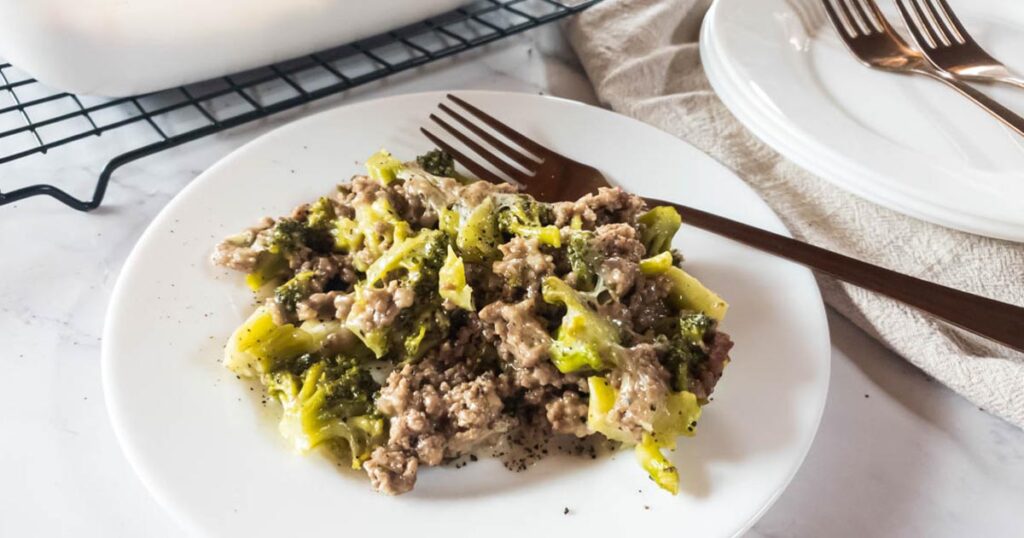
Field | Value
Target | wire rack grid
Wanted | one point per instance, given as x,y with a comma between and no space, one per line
35,119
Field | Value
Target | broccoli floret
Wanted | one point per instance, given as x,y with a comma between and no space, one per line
437,163
523,216
259,346
330,403
687,343
383,167
452,282
286,235
662,472
376,227
298,288
582,260
269,268
416,263
585,339
657,228
290,235
321,214
475,233
686,292
677,417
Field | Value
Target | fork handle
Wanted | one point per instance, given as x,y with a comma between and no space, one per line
1012,81
1003,114
992,319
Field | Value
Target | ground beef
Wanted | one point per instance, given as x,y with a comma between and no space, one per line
608,205
709,372
328,268
475,193
317,306
621,252
568,414
522,263
521,336
643,386
237,252
380,306
277,312
618,240
443,409
618,275
343,306
647,302
391,471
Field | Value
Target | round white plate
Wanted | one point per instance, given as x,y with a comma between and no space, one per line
904,142
210,453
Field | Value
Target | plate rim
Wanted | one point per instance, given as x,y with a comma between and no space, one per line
190,523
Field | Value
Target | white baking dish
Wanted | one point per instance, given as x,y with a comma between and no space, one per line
126,47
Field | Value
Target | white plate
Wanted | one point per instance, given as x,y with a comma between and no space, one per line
904,142
211,454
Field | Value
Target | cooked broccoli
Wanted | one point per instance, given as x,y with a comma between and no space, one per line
269,268
298,288
438,163
289,235
677,417
657,227
582,260
374,229
584,339
687,293
452,282
523,216
321,214
602,399
286,235
688,350
330,403
259,346
416,262
474,230
383,167
661,471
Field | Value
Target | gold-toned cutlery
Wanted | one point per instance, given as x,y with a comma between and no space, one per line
552,177
868,35
944,41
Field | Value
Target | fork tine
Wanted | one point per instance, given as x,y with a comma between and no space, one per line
498,162
880,18
846,32
917,26
869,26
936,22
507,150
943,12
476,168
510,133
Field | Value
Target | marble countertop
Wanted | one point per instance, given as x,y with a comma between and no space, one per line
897,454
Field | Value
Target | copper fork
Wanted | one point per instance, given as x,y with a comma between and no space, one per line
945,42
552,177
868,35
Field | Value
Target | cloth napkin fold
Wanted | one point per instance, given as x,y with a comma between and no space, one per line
643,60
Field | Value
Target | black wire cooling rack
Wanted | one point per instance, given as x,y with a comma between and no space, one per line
35,119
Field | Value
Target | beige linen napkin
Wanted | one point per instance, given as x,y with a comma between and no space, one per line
643,59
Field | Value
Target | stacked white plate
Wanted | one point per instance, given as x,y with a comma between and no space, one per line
905,142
